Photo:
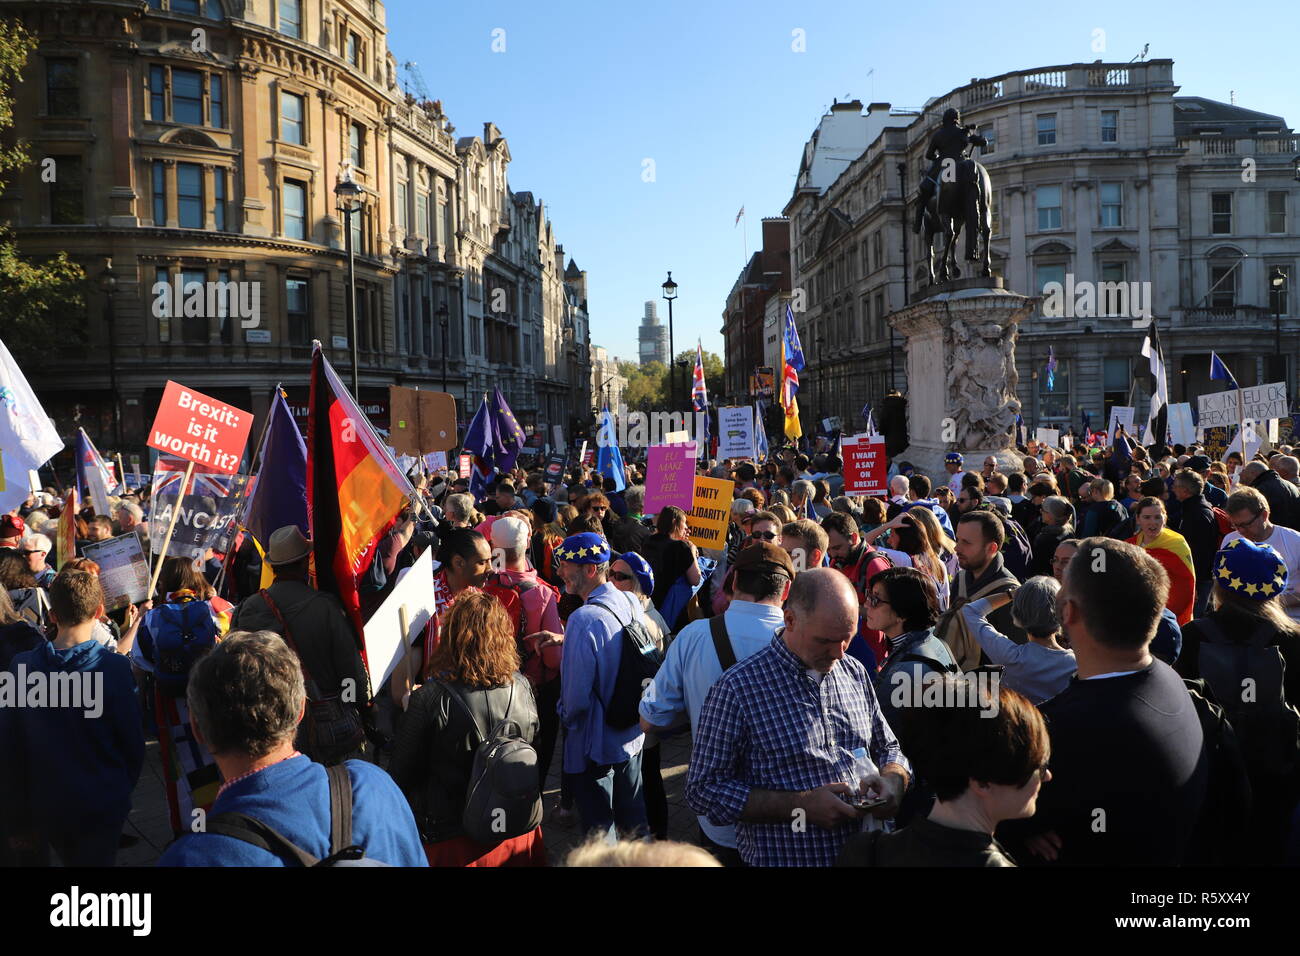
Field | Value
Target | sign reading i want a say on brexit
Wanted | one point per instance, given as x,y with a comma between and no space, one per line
200,429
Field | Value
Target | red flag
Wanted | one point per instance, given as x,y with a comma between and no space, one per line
354,489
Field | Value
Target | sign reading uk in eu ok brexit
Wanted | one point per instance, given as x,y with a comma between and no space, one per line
200,429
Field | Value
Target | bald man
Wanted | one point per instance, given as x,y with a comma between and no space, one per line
761,759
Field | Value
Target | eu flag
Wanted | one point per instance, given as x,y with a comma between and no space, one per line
480,441
280,492
508,436
609,460
1219,371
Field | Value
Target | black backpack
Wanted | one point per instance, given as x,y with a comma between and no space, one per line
637,666
1267,726
1220,837
343,852
504,796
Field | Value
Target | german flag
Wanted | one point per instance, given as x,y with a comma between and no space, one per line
354,489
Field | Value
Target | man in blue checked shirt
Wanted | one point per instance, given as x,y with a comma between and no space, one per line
759,587
774,742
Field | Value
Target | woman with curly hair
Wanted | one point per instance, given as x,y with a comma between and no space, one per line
476,685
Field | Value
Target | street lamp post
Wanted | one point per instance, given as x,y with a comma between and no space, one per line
1278,281
686,389
347,191
670,293
108,285
444,317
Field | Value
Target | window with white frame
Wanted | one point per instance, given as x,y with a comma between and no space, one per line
1112,205
1046,129
1047,201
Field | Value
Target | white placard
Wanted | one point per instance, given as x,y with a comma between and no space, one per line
436,460
1253,443
1258,403
1048,436
123,570
385,643
1119,415
735,432
1181,429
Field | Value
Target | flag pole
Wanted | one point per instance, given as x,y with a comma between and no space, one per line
171,526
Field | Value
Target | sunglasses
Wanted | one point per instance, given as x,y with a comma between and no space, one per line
763,535
620,576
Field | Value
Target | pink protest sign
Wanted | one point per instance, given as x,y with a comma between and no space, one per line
670,477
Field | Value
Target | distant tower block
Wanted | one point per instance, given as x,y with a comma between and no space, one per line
652,338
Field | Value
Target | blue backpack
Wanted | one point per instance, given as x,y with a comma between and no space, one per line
181,633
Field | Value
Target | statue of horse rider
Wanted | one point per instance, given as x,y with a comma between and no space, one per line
950,141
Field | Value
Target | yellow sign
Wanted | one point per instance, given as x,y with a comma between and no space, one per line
710,513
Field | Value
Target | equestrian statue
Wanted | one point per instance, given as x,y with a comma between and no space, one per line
955,193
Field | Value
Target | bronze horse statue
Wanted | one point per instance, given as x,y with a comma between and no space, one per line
960,199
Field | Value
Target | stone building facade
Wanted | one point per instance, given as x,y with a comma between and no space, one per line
1101,174
201,141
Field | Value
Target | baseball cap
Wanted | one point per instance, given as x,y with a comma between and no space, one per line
510,533
764,556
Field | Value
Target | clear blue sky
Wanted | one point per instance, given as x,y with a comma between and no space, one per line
713,94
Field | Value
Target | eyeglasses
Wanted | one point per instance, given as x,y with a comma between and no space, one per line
620,576
1243,525
875,600
763,535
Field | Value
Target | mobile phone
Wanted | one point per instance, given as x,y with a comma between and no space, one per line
864,802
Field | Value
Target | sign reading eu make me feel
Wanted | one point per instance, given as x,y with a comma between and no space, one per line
1257,403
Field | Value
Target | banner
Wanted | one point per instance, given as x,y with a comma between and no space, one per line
207,514
386,642
28,439
864,464
1119,415
200,429
1181,429
710,513
1258,403
735,432
670,477
123,570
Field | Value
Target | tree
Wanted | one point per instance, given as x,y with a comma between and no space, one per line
40,301
713,372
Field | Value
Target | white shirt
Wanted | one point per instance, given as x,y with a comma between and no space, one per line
955,482
1286,543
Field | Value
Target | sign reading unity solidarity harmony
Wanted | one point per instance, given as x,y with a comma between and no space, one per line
864,464
1257,403
200,429
710,513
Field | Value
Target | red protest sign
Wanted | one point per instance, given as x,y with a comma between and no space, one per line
200,429
864,464
466,463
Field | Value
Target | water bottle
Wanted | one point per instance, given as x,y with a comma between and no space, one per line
863,766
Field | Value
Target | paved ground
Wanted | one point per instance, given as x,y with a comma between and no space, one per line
150,822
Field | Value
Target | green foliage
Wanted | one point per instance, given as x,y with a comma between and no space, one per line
41,301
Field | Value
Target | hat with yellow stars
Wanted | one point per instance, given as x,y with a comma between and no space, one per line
1252,570
585,548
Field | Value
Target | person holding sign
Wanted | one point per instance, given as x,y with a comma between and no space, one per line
675,560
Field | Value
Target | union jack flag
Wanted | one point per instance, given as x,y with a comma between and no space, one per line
699,394
168,472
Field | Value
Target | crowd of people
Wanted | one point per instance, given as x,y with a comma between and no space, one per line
1045,658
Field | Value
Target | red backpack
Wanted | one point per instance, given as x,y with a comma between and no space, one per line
1224,522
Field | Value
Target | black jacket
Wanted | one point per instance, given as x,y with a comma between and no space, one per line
1045,545
924,843
628,535
1283,499
433,754
1198,525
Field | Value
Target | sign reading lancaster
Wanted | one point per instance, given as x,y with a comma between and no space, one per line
200,429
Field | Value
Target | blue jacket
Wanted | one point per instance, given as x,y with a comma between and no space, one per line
70,769
933,504
587,676
293,798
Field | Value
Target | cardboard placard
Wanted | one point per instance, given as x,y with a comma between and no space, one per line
710,513
864,464
670,477
420,421
197,428
1048,436
1119,415
123,570
385,638
735,432
1257,403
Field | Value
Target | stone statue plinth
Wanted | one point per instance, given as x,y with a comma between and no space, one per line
961,374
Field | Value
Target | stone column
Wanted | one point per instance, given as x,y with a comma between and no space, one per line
961,372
